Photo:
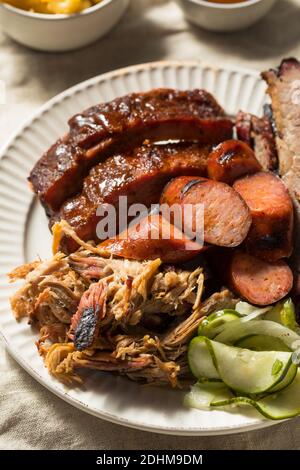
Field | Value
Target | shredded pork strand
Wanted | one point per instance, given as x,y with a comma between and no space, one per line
94,312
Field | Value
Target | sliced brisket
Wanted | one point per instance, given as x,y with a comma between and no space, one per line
284,90
258,133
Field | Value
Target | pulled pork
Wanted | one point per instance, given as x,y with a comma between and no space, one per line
128,317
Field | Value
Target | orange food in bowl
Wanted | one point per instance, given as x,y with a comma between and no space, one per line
52,6
225,1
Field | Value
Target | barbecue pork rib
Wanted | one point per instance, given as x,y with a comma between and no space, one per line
140,175
122,124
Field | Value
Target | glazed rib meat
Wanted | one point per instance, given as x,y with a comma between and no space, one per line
258,134
140,175
284,90
122,124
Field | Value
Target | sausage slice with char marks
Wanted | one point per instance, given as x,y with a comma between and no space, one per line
270,236
227,218
153,237
175,189
230,160
140,175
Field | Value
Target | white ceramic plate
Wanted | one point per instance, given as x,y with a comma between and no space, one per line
24,235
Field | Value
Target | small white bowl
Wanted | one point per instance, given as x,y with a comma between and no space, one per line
47,32
225,17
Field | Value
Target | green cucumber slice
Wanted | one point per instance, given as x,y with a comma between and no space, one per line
288,316
212,325
284,313
203,393
247,310
235,331
275,313
262,343
200,359
249,372
281,405
288,379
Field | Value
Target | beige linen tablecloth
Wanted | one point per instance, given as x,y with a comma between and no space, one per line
30,416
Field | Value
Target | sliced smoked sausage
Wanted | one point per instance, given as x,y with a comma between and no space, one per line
153,237
175,189
258,281
139,174
230,160
270,236
227,218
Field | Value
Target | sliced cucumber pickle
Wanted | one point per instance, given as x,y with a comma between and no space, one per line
245,371
203,393
262,343
212,325
200,359
250,372
284,313
280,405
275,313
251,311
288,379
237,330
288,316
247,357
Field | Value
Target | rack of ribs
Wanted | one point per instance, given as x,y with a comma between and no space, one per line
120,125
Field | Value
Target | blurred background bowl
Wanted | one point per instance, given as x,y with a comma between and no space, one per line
49,32
225,17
